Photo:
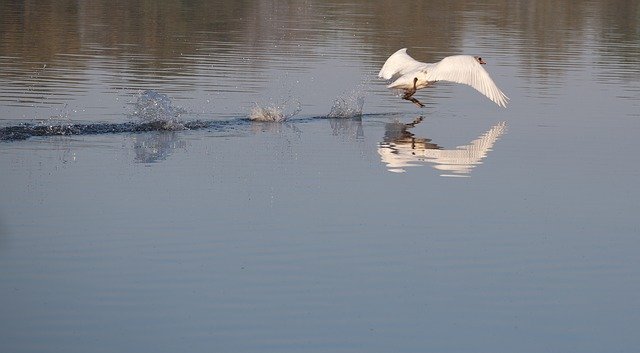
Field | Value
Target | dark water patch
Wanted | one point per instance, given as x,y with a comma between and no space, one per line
27,130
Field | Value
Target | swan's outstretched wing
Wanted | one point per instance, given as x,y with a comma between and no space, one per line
466,69
398,64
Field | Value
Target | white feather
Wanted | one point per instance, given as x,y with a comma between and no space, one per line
398,64
458,68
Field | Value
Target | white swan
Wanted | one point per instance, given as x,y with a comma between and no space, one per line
411,75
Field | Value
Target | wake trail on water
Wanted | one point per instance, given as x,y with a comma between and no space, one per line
154,111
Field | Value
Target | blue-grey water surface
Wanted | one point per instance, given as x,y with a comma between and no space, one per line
459,227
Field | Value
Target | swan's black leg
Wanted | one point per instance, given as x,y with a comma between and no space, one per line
408,93
415,101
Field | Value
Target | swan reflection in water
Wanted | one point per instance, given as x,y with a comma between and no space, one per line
401,149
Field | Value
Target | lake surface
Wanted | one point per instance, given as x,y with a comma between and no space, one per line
142,210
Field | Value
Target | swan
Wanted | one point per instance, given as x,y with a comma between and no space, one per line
411,75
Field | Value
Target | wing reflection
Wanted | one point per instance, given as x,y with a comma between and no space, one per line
401,149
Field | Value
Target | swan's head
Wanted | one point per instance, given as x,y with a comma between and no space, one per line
479,59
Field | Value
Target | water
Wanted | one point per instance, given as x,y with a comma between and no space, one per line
143,209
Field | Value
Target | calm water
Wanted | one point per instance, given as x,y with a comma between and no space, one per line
169,222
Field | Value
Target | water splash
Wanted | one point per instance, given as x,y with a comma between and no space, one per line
275,113
348,105
272,113
155,107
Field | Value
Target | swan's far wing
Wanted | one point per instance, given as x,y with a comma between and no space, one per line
399,63
467,70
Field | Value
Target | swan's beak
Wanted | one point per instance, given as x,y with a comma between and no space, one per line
482,62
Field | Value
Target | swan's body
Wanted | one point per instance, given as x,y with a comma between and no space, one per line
411,75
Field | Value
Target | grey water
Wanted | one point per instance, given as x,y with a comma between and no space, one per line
232,176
